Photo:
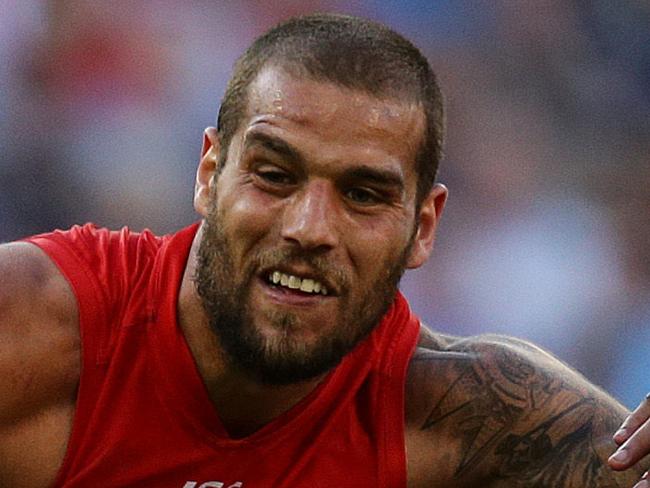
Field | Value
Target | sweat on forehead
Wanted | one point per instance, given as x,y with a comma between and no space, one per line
275,93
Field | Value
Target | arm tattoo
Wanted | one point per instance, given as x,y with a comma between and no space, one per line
535,428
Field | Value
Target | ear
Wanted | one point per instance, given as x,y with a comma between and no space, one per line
430,214
207,171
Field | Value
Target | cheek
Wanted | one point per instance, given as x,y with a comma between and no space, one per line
375,247
248,214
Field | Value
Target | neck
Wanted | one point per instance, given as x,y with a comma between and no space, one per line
244,405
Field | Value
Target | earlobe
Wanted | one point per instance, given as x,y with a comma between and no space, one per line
207,170
430,213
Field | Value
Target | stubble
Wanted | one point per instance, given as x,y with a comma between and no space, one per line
225,289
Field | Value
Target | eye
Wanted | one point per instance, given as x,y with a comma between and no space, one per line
363,196
273,175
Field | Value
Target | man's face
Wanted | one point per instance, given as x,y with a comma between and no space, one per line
310,224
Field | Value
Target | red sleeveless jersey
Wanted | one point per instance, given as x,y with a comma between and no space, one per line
144,418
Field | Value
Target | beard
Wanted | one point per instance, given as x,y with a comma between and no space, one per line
225,289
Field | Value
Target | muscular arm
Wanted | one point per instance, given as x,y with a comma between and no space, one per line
508,415
39,365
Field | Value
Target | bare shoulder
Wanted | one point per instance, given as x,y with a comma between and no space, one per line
39,365
39,338
39,334
496,411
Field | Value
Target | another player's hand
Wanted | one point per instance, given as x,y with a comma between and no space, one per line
633,439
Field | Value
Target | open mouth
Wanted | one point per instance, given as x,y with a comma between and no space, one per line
296,283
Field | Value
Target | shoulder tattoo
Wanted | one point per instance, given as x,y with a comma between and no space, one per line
532,420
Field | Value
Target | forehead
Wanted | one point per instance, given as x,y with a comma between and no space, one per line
332,117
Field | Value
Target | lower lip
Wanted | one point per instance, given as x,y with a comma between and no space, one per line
288,296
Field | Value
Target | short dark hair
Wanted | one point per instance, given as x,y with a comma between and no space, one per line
351,52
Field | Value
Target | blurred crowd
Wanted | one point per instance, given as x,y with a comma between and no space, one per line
547,231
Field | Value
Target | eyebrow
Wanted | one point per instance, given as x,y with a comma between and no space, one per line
380,176
383,177
274,144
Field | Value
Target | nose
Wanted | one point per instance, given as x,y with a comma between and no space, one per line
309,219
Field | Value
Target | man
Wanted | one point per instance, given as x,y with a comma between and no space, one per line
269,346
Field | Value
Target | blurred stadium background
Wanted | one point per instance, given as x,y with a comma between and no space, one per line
547,231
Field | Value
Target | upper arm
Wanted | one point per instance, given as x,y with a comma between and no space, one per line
39,337
514,416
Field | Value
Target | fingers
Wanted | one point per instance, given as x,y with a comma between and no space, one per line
632,450
644,482
633,421
633,438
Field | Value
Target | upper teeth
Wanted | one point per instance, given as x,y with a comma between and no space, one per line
296,283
